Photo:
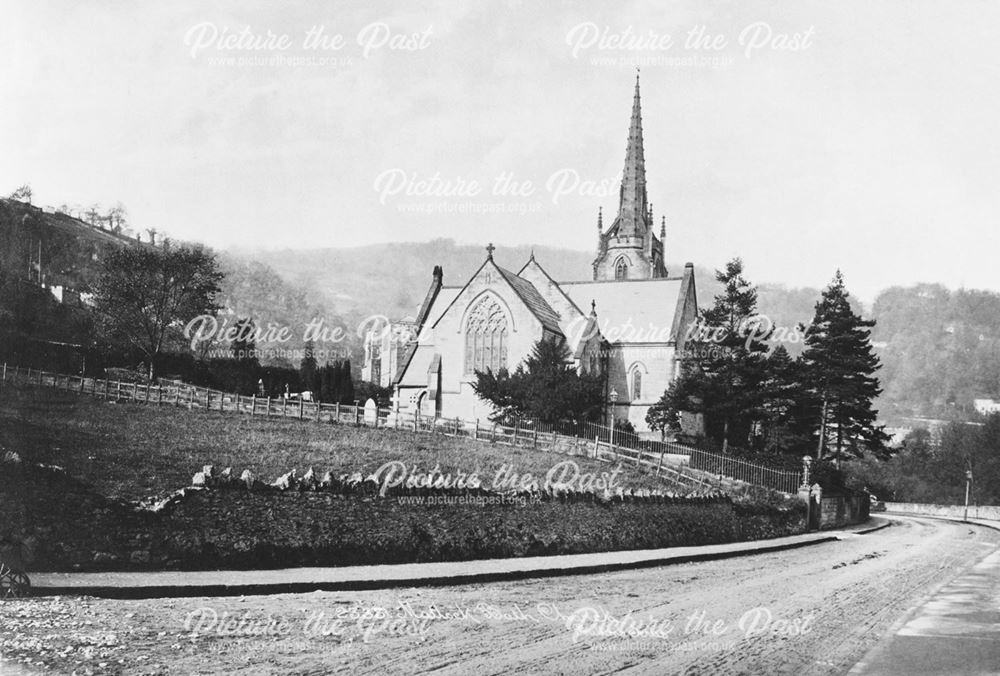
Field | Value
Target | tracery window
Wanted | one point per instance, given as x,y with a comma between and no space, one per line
636,384
486,337
621,270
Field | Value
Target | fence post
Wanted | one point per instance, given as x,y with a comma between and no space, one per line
39,377
596,438
357,415
456,425
318,411
302,404
416,416
253,404
336,412
208,399
159,395
534,438
475,431
118,390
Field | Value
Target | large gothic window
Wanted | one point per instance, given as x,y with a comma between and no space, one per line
621,269
636,384
486,337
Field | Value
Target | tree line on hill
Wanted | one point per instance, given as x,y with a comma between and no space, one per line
144,300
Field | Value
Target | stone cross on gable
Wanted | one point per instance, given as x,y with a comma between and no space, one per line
489,250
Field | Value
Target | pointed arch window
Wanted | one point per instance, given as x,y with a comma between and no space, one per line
636,384
486,337
621,269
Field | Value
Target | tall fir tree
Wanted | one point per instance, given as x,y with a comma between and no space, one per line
346,383
838,368
734,359
307,368
245,352
782,393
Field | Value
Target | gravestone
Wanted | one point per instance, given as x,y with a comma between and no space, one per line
371,412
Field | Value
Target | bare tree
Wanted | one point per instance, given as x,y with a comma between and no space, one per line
22,194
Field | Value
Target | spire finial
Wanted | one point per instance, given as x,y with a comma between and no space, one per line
593,307
663,227
532,254
600,218
489,251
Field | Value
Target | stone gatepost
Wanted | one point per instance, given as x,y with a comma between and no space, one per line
805,490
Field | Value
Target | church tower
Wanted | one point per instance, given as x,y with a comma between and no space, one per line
629,249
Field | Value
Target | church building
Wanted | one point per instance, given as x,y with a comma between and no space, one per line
629,318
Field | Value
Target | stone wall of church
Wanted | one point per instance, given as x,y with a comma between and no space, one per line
629,248
655,363
448,339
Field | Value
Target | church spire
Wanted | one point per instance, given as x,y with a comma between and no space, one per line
632,209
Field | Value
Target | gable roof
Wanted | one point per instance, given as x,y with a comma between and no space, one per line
632,311
538,266
534,300
442,299
524,290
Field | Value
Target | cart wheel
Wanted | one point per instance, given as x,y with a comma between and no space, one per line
14,584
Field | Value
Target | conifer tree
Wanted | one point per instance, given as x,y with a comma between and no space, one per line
307,368
345,383
782,396
838,368
734,361
546,386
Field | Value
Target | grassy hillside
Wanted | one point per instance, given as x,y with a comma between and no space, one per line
70,250
134,451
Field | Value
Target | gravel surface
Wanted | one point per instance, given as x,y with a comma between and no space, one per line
815,610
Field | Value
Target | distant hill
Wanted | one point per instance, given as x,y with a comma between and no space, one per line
391,279
940,349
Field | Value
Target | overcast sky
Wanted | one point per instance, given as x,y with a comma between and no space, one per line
868,142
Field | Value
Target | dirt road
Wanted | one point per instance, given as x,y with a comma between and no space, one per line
815,610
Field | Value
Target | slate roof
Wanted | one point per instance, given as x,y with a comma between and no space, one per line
534,300
415,372
632,311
